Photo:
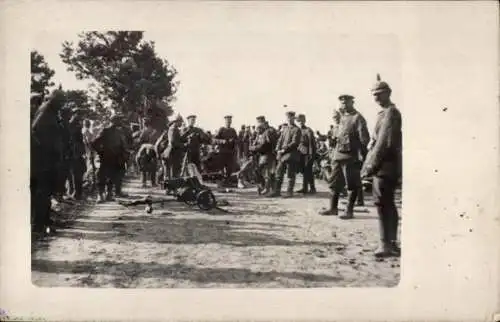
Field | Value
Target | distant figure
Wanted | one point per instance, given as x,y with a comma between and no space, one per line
175,149
227,138
287,156
147,160
111,147
307,149
194,138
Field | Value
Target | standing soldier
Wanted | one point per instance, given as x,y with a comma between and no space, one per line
287,156
351,141
194,138
384,163
46,155
88,137
264,146
227,138
241,144
147,160
77,160
111,147
307,149
175,149
64,165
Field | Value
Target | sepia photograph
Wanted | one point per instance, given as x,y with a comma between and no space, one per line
289,177
249,161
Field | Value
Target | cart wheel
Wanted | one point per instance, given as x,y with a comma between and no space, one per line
206,200
188,196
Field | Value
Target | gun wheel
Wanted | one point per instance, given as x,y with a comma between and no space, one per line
188,196
206,200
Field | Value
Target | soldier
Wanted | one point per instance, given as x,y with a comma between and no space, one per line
351,141
227,138
64,165
287,156
147,160
111,147
384,163
264,146
46,155
88,136
241,143
307,149
77,165
194,138
175,149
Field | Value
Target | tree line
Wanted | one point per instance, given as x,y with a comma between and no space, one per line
125,75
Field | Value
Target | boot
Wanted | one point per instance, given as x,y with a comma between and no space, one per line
312,191
265,188
100,198
277,189
361,198
395,250
332,211
383,250
351,199
291,185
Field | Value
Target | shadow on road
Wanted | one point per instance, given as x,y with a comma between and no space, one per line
191,231
174,271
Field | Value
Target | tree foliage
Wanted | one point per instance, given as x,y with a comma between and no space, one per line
126,71
41,74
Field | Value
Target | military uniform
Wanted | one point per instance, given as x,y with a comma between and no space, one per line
46,155
111,147
226,138
147,160
384,163
264,148
78,165
174,151
307,149
350,149
64,164
194,138
287,157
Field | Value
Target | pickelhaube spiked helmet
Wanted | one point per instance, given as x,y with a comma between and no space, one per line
380,86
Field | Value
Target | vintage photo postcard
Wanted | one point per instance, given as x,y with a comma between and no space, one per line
250,161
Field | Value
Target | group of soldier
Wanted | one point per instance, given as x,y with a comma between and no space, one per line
67,150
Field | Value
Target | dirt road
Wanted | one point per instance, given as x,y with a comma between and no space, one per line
259,243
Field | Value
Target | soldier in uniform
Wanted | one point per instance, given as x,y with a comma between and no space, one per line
147,160
287,156
46,155
384,163
307,149
194,138
175,149
226,137
111,147
64,165
78,165
350,149
264,148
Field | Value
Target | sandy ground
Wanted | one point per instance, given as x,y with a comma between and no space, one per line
260,243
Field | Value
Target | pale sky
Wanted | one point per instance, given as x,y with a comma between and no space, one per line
248,72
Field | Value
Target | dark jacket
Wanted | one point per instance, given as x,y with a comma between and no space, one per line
110,145
227,139
289,141
307,144
352,138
